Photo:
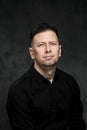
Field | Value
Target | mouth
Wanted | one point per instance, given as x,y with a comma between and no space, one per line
48,57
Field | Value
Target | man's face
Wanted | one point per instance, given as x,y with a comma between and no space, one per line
45,49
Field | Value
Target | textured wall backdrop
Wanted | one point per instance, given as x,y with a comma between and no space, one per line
17,17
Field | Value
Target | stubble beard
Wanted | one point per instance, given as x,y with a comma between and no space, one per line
49,64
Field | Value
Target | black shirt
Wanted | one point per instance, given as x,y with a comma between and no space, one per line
35,104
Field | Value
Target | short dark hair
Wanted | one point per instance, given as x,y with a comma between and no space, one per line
41,27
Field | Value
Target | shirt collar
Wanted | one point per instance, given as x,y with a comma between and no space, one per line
40,78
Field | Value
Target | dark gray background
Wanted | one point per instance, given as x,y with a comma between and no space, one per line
17,17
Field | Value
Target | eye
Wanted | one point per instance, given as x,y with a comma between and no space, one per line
40,44
53,43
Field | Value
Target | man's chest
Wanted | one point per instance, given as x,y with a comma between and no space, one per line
53,98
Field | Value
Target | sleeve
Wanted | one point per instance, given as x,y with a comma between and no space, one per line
18,110
76,121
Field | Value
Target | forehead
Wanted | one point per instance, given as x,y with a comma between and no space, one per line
46,35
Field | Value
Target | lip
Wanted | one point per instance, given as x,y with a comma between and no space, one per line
48,57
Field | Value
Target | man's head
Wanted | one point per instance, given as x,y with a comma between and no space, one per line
45,49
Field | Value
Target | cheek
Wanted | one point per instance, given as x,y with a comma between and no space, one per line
38,53
56,51
59,49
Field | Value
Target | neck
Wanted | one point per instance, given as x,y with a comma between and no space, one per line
48,72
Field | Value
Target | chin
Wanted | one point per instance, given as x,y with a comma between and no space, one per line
49,64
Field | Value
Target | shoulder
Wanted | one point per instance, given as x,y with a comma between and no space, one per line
69,80
64,75
21,85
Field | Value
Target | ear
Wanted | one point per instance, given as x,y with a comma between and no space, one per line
31,51
60,51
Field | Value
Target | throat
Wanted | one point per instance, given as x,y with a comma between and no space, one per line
50,75
47,72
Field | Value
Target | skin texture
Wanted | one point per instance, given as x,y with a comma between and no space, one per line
45,52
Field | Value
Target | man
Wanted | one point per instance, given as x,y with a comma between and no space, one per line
45,97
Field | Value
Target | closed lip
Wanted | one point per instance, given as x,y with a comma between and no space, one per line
48,56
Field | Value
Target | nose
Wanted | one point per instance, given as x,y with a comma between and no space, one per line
48,48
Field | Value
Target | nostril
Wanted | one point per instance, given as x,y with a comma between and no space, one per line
48,51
